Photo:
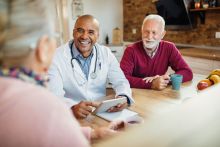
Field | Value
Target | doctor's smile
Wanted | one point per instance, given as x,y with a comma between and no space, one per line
84,44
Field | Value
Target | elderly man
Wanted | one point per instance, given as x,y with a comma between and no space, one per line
145,62
81,68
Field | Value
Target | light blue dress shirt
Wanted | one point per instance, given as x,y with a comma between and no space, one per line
83,62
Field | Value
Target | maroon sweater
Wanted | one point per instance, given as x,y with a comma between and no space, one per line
136,64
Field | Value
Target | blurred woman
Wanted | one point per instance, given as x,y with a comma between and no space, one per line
29,114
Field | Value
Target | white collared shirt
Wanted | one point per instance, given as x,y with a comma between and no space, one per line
151,53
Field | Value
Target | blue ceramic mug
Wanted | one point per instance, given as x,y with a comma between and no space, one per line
176,80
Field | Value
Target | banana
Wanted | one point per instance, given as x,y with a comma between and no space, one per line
215,79
214,72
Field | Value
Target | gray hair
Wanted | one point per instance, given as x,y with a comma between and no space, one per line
22,23
156,17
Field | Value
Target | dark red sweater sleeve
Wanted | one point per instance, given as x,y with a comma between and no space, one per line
127,65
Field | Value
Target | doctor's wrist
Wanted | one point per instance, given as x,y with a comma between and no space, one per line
128,100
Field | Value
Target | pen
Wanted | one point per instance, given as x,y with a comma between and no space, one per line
100,65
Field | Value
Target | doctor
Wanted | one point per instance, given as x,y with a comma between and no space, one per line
82,67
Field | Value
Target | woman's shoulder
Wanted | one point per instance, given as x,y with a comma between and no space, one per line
20,90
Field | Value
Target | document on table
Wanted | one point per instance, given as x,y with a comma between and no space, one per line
121,115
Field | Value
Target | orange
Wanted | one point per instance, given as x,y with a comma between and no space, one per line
209,82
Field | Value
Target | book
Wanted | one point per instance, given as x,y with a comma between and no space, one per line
126,115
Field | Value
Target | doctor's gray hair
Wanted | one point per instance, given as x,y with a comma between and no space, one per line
22,23
156,17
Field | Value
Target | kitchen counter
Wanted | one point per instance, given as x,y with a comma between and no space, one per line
205,52
201,53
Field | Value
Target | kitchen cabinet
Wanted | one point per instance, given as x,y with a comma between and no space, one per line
202,11
117,50
206,9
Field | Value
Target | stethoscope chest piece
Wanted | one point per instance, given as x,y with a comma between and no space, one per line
93,75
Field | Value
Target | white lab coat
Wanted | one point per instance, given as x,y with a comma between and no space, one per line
71,83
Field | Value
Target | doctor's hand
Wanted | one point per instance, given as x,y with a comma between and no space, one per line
118,107
160,82
84,108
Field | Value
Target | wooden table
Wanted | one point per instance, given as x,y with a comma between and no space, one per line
150,103
193,123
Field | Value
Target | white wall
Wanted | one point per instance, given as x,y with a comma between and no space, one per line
109,13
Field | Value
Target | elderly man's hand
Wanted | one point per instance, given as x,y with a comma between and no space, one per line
150,79
84,108
160,82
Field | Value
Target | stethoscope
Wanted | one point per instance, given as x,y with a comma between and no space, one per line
93,75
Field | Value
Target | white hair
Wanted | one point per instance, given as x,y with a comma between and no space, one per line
22,24
156,17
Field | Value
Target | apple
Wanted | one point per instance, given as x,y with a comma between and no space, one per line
202,85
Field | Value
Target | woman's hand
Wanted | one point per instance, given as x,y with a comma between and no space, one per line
108,131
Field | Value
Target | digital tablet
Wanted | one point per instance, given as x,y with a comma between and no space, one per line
105,105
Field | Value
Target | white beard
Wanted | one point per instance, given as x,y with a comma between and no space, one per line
151,44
